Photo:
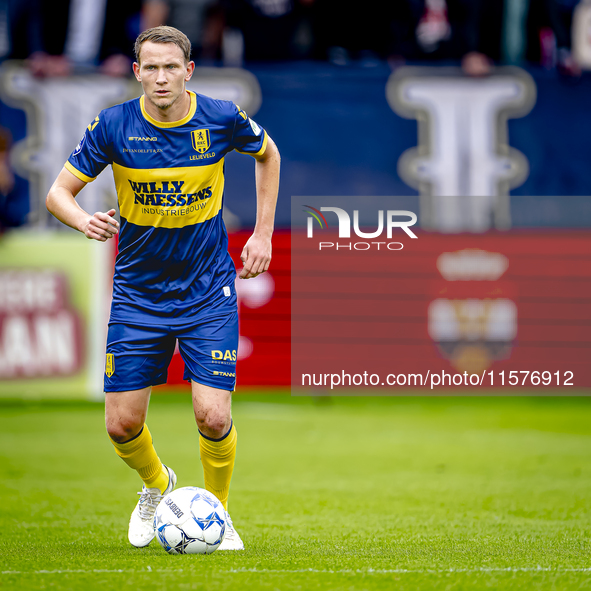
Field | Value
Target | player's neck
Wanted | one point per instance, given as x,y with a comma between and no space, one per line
177,111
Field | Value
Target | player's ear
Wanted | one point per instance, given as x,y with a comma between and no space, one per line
190,70
136,71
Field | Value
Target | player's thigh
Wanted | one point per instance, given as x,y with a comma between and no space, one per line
125,413
209,349
137,356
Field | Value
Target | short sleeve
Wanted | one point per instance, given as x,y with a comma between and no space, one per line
248,137
92,154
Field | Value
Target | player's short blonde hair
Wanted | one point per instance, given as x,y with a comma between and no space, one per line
164,34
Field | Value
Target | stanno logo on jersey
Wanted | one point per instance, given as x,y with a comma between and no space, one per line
142,139
110,365
200,140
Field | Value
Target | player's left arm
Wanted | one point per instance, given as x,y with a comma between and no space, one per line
256,254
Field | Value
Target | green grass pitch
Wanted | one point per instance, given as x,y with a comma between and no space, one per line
341,493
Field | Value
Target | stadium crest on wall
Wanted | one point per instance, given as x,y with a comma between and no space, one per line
473,318
200,140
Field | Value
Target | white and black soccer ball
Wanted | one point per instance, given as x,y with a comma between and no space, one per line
190,520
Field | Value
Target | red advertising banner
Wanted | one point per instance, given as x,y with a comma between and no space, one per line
516,304
497,309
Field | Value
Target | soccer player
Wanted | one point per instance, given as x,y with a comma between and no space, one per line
174,279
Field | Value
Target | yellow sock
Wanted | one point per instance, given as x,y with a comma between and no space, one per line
217,457
139,454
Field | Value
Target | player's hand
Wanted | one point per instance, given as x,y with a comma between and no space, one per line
256,257
101,226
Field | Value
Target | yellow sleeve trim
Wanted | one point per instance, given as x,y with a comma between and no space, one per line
260,152
78,174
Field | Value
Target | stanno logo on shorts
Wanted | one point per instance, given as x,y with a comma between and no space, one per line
110,365
201,140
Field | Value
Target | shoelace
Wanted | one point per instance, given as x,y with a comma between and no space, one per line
148,503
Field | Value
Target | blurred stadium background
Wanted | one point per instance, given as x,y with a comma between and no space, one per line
472,113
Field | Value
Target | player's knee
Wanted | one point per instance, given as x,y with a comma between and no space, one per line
213,424
122,430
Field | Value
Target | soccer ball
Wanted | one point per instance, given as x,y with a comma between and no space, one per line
190,520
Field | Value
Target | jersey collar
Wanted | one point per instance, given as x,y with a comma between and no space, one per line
178,123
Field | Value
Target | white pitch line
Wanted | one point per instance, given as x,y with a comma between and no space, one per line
369,571
380,571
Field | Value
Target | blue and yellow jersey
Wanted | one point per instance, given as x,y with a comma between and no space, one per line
173,260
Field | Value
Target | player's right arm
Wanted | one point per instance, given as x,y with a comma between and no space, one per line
61,202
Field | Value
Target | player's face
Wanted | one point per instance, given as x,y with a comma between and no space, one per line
163,72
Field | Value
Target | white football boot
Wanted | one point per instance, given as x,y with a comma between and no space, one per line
141,525
232,540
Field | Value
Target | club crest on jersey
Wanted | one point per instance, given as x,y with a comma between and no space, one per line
200,140
110,365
